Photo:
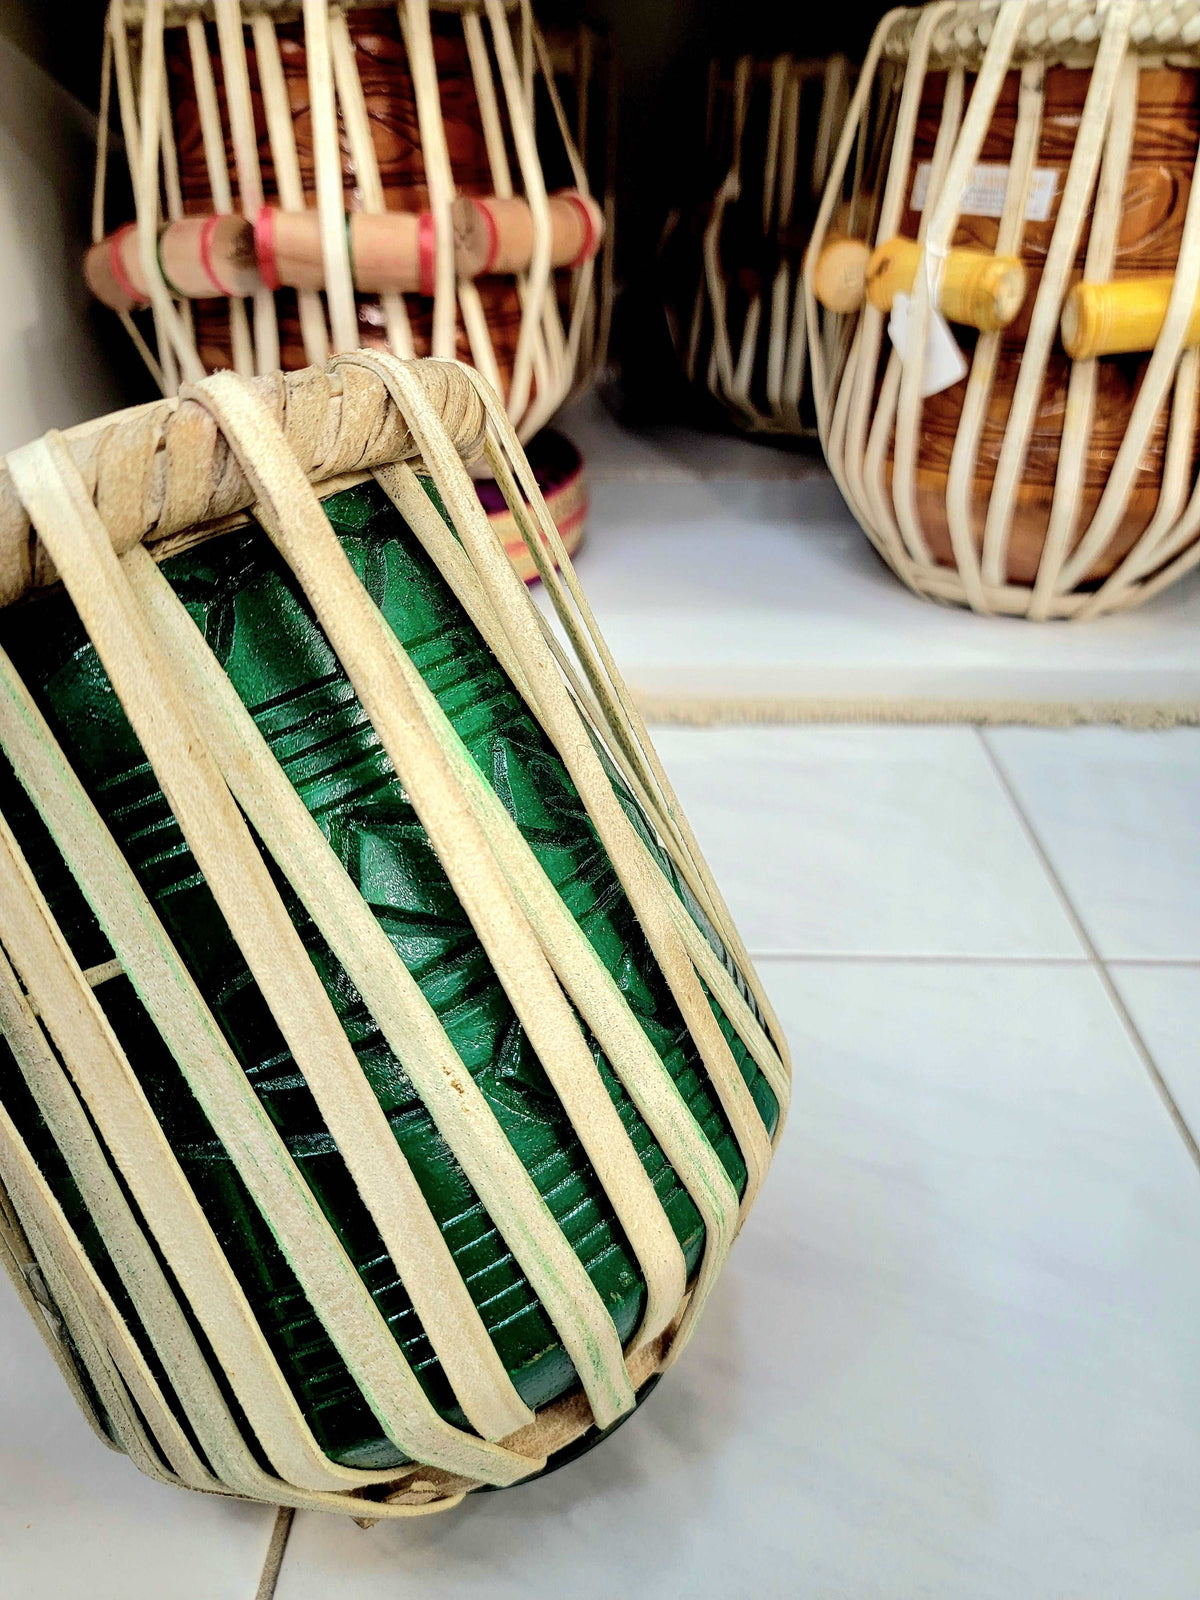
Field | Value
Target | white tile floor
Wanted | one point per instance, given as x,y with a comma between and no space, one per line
957,1350
78,1522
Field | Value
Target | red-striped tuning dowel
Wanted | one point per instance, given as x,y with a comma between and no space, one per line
394,251
495,235
201,258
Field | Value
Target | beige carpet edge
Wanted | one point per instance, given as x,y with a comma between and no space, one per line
704,711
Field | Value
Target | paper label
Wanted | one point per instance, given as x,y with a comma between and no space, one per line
984,194
944,363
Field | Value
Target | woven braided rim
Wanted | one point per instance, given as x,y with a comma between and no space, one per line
100,499
177,12
1053,31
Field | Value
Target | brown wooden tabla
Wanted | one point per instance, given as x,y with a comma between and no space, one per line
1055,479
328,113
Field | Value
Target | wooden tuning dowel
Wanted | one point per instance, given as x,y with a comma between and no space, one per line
390,251
1110,319
495,235
976,288
840,274
394,251
201,258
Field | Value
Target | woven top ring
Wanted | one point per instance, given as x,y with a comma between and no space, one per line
1053,31
165,469
177,12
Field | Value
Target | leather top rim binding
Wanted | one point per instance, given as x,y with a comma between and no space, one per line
164,469
1057,32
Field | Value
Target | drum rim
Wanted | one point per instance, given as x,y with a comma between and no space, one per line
179,12
1052,32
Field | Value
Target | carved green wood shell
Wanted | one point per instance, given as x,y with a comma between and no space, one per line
256,620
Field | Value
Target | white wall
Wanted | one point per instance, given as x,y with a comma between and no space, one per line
54,371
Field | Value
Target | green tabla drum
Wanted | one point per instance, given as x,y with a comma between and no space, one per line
383,1082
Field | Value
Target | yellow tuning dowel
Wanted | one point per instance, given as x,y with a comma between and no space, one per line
1110,319
982,290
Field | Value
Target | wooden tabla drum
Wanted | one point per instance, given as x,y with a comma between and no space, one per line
1024,172
315,177
384,1081
558,469
731,262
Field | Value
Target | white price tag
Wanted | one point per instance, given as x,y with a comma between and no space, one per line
944,363
986,188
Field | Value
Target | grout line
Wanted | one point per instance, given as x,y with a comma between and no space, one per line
1180,962
929,959
1094,956
276,1550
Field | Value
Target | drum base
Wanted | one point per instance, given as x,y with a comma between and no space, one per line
558,467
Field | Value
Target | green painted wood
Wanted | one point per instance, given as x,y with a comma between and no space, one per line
253,615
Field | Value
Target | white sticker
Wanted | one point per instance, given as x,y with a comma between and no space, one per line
945,364
984,194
